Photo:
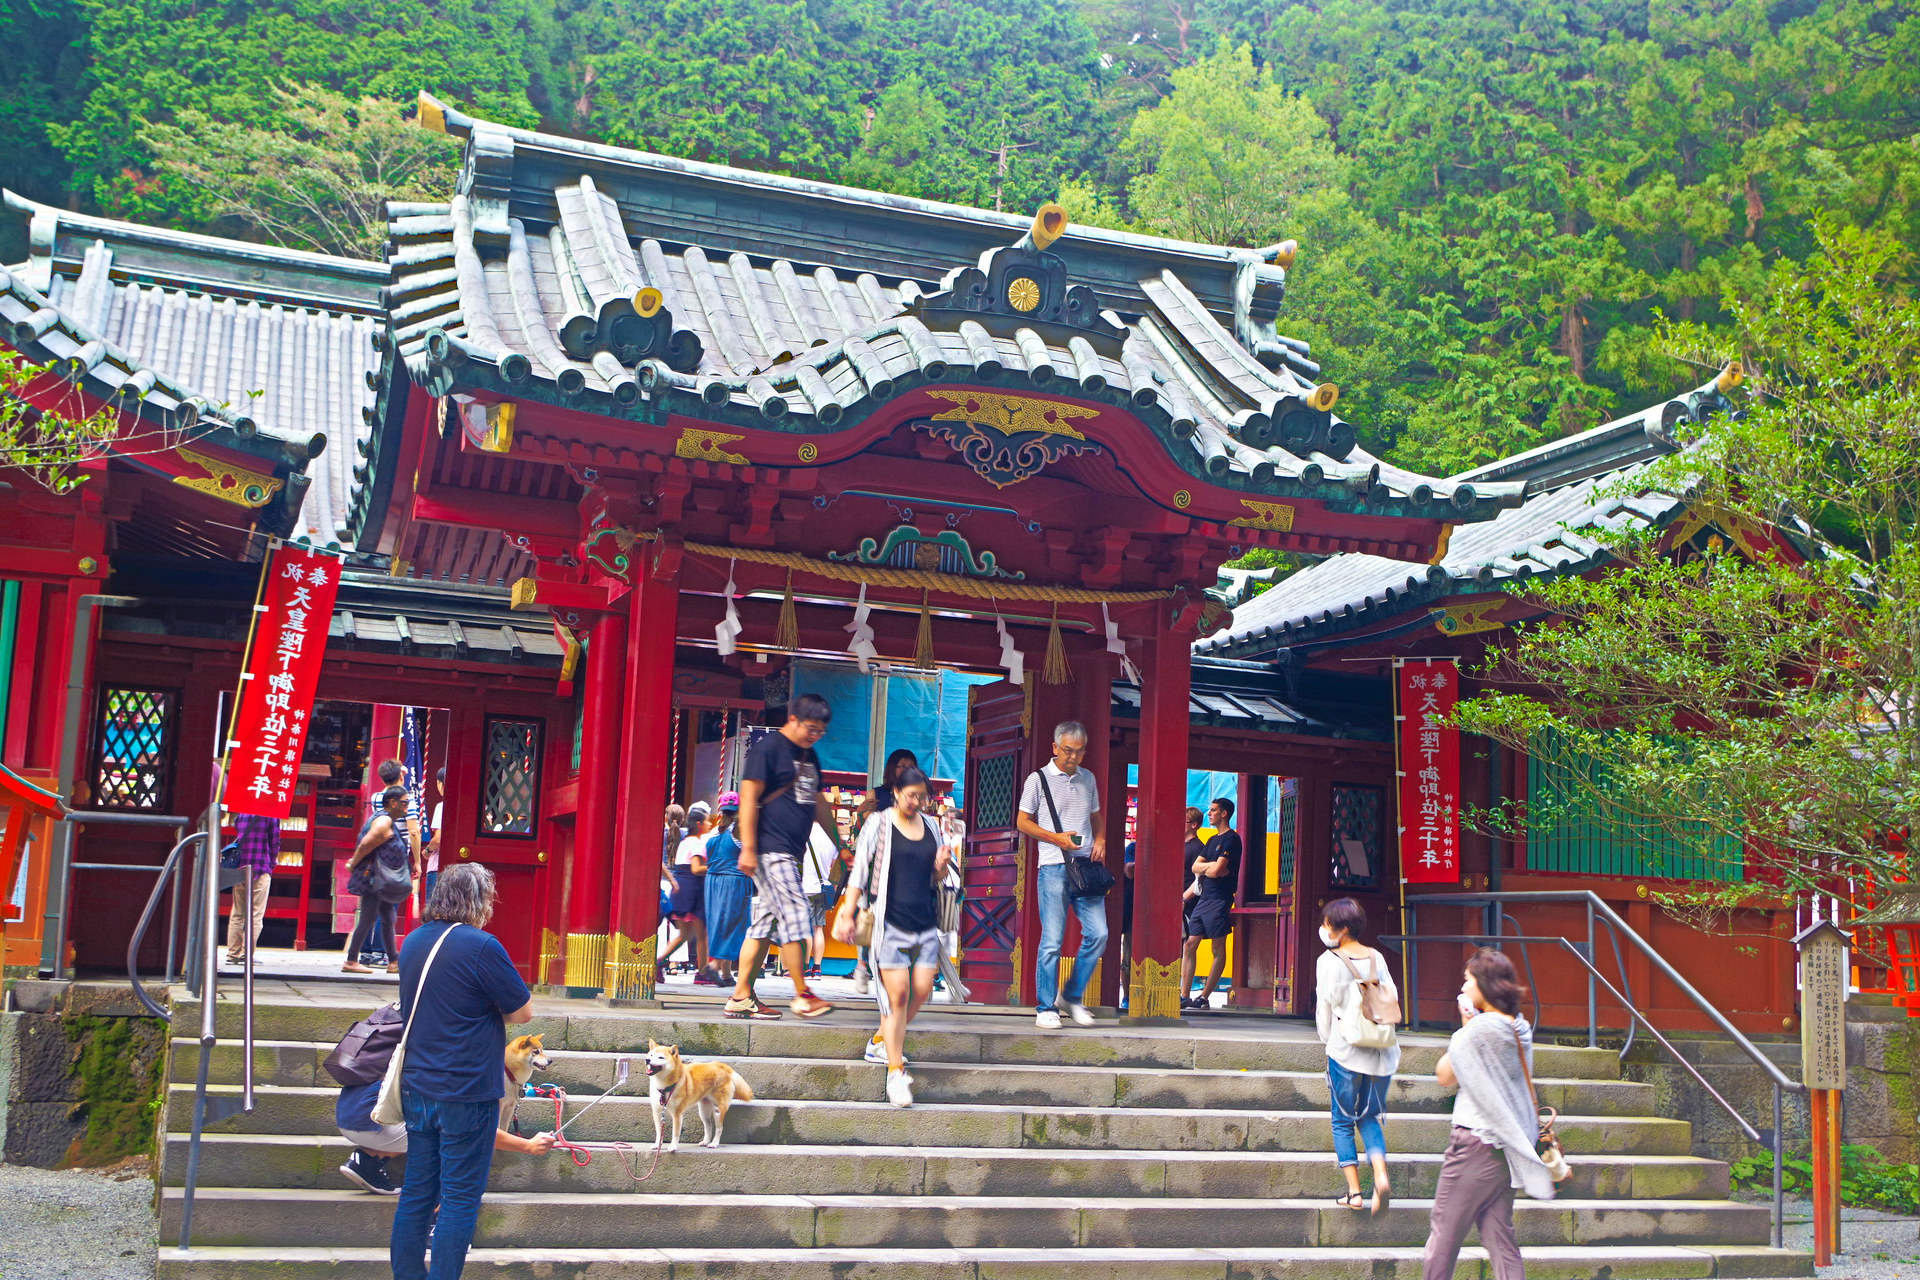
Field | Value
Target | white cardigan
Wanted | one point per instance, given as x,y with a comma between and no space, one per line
1333,983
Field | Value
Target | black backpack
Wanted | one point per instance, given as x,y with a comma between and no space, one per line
362,1055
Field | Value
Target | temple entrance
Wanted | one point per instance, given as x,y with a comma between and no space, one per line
999,739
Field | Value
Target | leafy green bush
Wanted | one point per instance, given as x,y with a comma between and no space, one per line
1868,1180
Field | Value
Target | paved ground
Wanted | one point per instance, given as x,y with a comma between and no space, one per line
1879,1246
80,1223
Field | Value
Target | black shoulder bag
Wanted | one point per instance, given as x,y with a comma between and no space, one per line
1085,877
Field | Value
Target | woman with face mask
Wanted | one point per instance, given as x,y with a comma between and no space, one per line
1357,1074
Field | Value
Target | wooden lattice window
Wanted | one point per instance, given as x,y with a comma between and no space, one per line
510,784
133,763
1356,837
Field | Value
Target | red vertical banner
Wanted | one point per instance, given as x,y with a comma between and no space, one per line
282,675
1426,693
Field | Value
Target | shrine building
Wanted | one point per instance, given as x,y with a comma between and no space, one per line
622,452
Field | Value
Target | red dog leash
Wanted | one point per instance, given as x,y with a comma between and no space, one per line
581,1153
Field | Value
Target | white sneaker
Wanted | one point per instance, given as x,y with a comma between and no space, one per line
899,1088
877,1053
1047,1020
862,981
1079,1014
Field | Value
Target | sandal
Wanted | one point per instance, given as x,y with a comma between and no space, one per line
750,1008
354,966
1352,1200
809,1006
1382,1198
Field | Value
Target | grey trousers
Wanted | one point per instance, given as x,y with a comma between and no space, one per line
1476,1190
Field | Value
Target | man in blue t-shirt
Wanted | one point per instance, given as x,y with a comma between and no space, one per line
454,1078
780,800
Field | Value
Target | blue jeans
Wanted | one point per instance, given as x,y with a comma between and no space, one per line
1358,1103
449,1153
1053,930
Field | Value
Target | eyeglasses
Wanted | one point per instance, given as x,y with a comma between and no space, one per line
1063,750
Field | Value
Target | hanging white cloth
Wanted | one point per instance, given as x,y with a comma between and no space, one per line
1116,645
862,645
729,629
1011,658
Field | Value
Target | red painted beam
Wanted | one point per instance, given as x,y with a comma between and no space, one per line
538,517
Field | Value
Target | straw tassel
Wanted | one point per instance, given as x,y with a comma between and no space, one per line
1055,671
923,644
787,634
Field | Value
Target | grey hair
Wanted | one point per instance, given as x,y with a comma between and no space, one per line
463,893
1069,730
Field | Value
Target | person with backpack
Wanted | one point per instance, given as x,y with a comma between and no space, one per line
381,872
1356,1011
1065,794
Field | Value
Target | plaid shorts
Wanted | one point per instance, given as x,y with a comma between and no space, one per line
780,908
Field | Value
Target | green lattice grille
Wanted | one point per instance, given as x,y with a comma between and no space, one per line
993,805
512,783
1571,833
1286,811
136,749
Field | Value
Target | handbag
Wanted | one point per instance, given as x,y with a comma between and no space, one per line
1374,1007
390,883
1547,1146
232,871
1085,877
386,1108
362,1055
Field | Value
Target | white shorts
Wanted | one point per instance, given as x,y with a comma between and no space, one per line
387,1140
902,949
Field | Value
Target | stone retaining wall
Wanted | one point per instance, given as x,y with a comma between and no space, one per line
80,1074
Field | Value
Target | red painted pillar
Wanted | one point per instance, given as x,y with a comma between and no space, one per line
1154,983
645,764
589,884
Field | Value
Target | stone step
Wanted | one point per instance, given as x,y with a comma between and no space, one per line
311,1162
346,1219
1610,1262
945,1036
297,1063
629,1118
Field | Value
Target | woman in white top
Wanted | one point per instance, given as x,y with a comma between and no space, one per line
687,907
1357,1076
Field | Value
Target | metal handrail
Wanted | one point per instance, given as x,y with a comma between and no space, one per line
1596,907
116,818
166,870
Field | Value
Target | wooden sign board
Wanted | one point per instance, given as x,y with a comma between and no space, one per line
1824,959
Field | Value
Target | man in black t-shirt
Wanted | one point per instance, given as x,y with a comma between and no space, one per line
780,800
1211,916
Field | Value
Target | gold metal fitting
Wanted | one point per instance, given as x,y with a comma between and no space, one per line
1284,253
1049,224
1324,397
1730,377
648,301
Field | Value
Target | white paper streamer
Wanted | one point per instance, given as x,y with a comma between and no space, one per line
729,629
1116,645
862,645
1011,658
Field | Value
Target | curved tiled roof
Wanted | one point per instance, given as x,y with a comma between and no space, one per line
555,280
1589,496
266,350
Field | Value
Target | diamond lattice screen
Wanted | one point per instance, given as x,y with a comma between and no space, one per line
993,807
512,781
135,749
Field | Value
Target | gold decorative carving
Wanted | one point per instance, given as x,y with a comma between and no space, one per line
1465,619
1022,293
1010,415
809,452
552,952
241,487
1182,499
499,434
708,446
1019,877
1015,958
586,960
524,595
630,967
1067,964
1154,991
1277,516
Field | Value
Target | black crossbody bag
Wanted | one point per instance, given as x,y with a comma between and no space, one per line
1085,877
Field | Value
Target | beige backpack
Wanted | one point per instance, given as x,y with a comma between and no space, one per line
1372,1012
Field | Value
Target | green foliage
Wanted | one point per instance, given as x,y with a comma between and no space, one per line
1753,1175
1740,690
318,175
50,444
1868,1180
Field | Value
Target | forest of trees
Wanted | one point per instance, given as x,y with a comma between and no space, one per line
1498,200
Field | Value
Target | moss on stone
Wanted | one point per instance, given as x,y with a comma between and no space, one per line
116,1070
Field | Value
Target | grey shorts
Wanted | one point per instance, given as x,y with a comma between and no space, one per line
387,1140
780,910
819,904
900,949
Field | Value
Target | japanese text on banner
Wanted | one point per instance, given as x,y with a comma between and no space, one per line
1429,763
283,673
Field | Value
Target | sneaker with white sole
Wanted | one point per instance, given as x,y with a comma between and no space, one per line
862,981
899,1088
877,1053
369,1172
1080,1016
1047,1020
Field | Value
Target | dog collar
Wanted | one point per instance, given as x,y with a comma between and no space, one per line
668,1092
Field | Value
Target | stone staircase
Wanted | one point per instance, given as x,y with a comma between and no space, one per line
1189,1153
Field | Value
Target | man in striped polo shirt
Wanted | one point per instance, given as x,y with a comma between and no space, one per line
1060,812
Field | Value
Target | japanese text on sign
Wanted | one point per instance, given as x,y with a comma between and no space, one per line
1823,1011
1429,768
283,672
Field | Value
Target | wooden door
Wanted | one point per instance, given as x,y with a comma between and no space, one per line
999,725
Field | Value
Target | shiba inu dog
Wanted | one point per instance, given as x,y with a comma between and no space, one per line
676,1087
524,1057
